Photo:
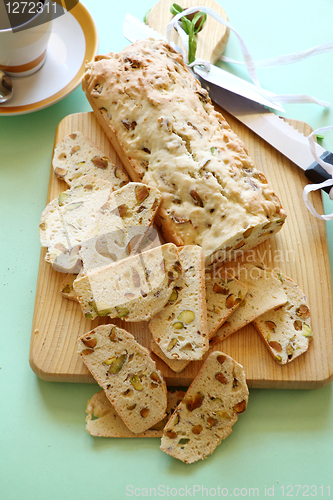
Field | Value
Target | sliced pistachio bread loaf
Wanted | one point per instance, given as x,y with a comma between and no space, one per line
123,226
168,135
67,220
208,411
286,330
128,375
103,420
180,328
133,289
76,155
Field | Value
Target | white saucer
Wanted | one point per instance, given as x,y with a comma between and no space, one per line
73,41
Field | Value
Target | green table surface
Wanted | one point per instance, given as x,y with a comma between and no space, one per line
283,444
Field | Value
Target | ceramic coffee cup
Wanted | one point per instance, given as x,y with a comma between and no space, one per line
24,35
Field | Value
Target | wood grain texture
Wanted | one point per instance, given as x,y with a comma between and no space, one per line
299,250
211,40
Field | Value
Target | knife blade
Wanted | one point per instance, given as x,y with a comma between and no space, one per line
276,131
249,105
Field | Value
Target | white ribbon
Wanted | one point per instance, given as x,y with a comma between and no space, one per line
251,68
248,59
314,187
288,58
249,62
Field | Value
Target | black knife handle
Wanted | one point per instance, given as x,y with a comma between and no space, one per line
316,174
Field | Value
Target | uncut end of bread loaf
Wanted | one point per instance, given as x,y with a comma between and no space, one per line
180,328
286,330
128,375
103,420
208,411
133,289
76,155
168,135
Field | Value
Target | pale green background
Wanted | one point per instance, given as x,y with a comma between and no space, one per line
285,436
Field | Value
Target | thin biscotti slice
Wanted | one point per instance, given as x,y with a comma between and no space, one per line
168,135
264,294
123,226
76,155
103,420
67,220
180,328
287,330
133,289
208,411
128,375
224,293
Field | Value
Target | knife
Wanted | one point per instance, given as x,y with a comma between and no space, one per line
276,131
249,106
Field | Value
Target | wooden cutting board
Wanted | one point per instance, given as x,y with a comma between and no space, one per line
299,250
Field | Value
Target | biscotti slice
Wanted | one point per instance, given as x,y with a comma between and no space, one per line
128,375
264,294
180,328
287,330
133,289
76,155
208,411
123,226
168,135
67,220
224,293
103,420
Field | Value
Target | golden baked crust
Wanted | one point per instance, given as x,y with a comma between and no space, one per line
168,135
